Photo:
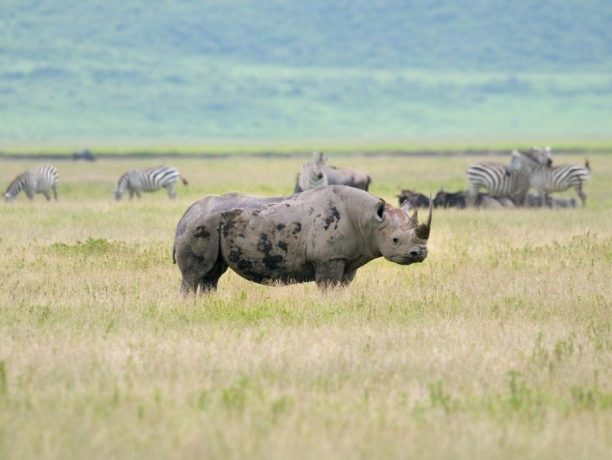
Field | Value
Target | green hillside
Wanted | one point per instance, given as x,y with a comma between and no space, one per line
162,71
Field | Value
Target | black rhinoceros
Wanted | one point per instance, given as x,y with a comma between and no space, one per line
322,235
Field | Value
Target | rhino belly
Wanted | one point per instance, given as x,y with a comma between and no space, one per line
266,252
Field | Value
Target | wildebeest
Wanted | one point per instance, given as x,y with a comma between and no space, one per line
450,199
460,200
417,200
339,176
534,201
84,155
322,235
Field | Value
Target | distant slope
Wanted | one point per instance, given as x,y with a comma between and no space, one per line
161,70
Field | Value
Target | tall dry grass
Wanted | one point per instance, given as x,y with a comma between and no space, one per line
498,345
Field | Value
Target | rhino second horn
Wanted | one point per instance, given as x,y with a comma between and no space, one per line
422,230
407,206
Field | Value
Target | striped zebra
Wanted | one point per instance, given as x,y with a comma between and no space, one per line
39,180
551,179
148,180
312,174
500,181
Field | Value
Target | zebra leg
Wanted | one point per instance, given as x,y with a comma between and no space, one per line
54,190
472,195
170,190
30,195
581,195
137,192
46,195
543,199
131,193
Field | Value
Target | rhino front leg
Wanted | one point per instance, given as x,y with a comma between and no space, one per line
348,277
330,274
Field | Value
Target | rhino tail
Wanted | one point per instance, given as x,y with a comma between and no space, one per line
368,182
184,181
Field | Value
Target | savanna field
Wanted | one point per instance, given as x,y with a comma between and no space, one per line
499,345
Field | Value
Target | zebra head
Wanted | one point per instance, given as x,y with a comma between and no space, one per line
541,155
8,197
312,175
522,162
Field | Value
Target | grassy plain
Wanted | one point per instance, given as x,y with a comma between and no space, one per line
497,346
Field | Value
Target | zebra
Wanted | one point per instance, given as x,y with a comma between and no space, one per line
148,180
34,181
500,181
551,179
312,174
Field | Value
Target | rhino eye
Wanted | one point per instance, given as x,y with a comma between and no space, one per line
395,241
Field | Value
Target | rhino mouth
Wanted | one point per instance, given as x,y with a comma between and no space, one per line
412,258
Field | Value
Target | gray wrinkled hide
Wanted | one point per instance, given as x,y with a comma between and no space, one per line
321,235
346,176
342,176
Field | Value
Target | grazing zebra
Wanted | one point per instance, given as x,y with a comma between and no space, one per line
312,174
34,181
500,181
148,180
551,179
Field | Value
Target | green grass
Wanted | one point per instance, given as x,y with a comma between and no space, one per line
497,346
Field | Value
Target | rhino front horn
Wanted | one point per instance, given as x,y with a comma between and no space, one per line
422,230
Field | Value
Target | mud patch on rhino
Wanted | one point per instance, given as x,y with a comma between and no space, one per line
282,245
244,264
229,219
297,228
201,232
235,255
334,216
279,227
264,245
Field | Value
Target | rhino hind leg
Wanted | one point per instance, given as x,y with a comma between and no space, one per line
209,282
200,280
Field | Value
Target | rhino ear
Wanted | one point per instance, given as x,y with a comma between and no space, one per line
380,210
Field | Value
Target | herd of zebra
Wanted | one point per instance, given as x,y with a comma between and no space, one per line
135,181
507,185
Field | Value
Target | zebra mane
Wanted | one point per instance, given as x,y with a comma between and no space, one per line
532,156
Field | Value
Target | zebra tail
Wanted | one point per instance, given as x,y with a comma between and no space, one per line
586,164
184,181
